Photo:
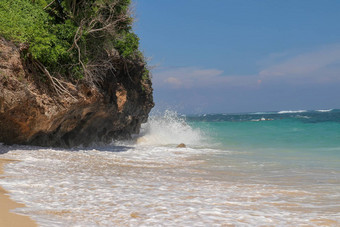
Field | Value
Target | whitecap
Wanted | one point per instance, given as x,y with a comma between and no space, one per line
305,117
324,111
291,111
258,113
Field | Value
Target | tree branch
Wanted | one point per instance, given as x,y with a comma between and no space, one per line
49,4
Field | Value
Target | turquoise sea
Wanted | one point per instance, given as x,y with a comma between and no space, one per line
279,168
301,138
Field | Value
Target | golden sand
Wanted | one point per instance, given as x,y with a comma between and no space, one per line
7,218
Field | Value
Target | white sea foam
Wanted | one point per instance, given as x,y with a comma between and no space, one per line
263,119
150,186
169,129
153,183
301,116
261,113
324,111
291,111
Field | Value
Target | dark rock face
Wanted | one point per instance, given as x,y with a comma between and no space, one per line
32,113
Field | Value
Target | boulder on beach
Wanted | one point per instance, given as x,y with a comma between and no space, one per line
181,145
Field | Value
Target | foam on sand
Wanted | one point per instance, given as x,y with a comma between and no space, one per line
152,183
7,217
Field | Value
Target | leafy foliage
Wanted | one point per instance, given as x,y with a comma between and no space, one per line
25,22
128,44
71,37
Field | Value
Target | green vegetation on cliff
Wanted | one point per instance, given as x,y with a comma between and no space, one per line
71,38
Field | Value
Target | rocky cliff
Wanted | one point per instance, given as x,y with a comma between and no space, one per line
31,112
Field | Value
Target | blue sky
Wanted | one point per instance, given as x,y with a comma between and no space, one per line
223,56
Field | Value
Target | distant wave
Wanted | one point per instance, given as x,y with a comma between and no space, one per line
263,119
305,117
291,111
323,111
259,113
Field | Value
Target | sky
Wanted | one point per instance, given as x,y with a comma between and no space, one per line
228,56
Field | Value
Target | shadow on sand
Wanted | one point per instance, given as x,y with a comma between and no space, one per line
104,148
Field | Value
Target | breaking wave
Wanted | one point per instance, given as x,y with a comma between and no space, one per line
324,111
291,111
169,129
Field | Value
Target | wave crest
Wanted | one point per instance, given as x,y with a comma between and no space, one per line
291,111
169,129
324,111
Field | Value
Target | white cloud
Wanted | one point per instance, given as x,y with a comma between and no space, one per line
173,81
319,66
185,76
191,77
305,64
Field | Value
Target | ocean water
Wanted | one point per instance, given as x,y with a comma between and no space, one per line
267,168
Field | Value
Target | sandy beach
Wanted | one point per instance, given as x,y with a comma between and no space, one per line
7,218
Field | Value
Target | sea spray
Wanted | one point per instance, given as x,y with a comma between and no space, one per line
169,129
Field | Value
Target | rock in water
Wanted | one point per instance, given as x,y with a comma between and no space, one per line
181,145
31,112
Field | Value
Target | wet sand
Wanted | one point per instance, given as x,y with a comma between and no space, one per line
7,218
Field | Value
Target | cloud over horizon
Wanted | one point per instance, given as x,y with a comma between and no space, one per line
184,77
321,65
238,57
313,65
300,78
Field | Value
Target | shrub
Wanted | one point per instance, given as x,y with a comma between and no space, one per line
68,34
128,44
25,22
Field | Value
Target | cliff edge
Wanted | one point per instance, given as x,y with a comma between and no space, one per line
32,112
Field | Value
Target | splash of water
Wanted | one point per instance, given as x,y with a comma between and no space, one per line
169,129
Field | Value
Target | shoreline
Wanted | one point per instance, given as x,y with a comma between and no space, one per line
8,218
